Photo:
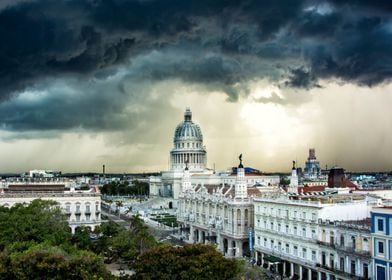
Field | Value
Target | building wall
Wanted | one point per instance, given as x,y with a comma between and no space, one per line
225,221
82,209
382,243
294,232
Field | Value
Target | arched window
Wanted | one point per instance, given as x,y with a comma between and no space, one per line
238,217
353,242
331,237
365,244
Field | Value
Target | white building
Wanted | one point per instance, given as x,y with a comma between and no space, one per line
188,149
83,208
291,233
346,249
218,214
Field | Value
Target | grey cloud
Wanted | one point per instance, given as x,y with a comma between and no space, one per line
222,45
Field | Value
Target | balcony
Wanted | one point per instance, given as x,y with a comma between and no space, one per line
325,244
338,272
353,251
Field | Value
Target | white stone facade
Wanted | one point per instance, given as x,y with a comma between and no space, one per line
216,216
290,235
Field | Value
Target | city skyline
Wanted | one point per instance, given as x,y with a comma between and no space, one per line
87,83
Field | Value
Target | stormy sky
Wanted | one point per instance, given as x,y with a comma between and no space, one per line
91,82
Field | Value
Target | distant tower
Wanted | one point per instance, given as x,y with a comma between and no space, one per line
186,179
241,190
293,187
312,166
337,178
103,170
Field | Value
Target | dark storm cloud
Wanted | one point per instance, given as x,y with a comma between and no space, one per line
47,38
221,44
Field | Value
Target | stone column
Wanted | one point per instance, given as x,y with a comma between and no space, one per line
191,234
284,268
238,245
309,274
319,275
262,259
291,269
300,272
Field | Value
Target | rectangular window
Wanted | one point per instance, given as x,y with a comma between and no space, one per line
380,224
304,253
313,216
295,250
380,247
331,261
380,273
272,226
295,231
287,228
287,248
342,264
258,240
265,242
314,256
287,213
279,227
365,270
353,268
295,215
304,232
304,215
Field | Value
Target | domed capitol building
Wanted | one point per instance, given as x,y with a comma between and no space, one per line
188,146
189,152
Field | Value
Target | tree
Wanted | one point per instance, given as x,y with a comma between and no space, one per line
81,238
144,239
39,221
49,262
250,272
35,243
188,262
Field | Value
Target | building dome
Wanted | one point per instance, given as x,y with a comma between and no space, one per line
188,130
188,150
